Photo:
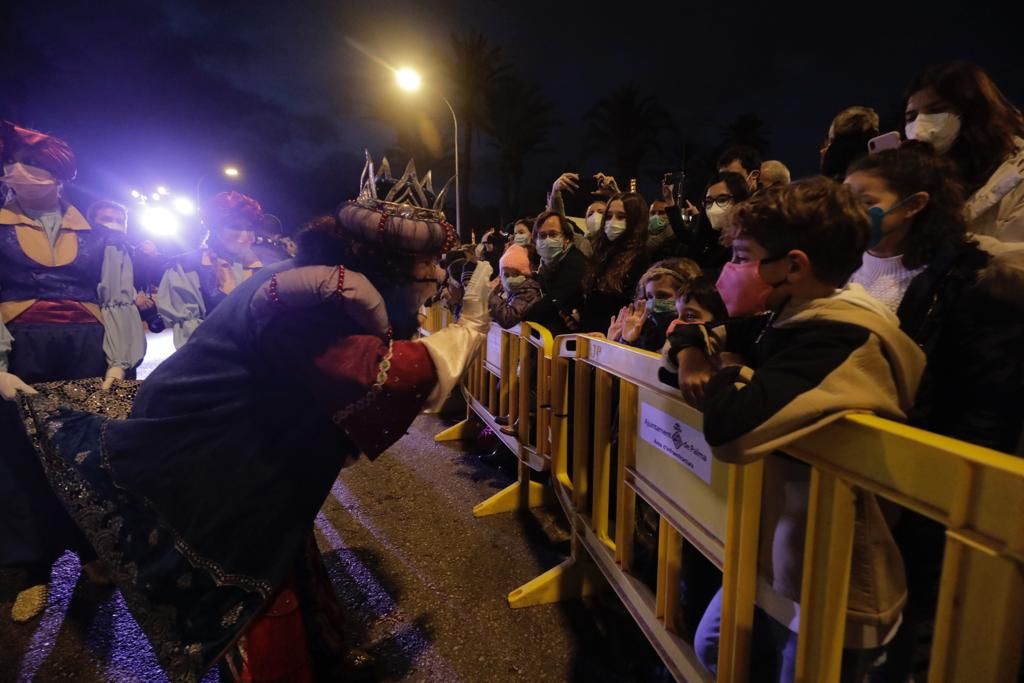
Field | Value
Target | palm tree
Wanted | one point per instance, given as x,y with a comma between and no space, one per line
748,130
474,69
626,126
518,118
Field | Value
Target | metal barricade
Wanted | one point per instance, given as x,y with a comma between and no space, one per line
619,435
510,378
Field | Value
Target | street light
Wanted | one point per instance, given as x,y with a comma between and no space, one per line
410,81
231,172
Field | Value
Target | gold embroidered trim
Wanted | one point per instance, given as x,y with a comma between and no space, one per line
383,368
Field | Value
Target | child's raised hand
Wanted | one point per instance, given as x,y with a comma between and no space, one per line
615,325
634,321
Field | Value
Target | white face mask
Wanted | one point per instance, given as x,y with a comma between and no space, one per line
613,229
30,182
594,222
939,130
113,225
716,215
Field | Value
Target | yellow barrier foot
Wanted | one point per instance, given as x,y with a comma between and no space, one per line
457,432
510,499
567,581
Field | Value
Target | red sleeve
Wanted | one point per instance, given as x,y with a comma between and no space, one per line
339,370
381,413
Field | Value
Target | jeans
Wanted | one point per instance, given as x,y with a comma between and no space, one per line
773,649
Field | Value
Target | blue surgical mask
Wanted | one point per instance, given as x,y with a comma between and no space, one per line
521,238
877,215
550,248
660,306
657,224
513,283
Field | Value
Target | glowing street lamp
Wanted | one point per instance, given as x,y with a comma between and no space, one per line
136,194
231,172
162,190
410,81
155,196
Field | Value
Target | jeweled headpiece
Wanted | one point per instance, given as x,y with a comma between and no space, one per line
404,214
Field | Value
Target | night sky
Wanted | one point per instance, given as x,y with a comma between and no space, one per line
163,93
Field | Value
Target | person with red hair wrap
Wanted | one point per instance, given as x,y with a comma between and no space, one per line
196,282
66,312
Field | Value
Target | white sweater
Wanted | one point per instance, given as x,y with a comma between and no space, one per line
886,279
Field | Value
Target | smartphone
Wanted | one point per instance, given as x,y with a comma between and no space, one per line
883,142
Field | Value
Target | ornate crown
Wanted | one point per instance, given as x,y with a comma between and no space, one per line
407,196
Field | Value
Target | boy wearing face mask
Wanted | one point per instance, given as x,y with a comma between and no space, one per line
193,286
811,352
511,300
66,312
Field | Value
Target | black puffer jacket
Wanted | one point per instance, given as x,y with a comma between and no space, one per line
562,284
966,311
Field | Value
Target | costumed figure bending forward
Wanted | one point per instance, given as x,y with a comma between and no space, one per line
67,312
201,495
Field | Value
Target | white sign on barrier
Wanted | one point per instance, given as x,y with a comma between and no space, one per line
677,439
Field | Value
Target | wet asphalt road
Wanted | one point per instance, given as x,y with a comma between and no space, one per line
423,584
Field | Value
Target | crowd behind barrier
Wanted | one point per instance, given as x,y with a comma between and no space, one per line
613,436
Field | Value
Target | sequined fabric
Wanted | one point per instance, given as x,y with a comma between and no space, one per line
189,609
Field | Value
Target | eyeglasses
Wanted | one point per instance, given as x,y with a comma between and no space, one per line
722,200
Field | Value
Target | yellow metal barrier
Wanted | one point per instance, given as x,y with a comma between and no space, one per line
612,434
433,319
654,450
511,379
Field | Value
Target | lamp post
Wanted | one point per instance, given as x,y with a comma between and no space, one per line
410,81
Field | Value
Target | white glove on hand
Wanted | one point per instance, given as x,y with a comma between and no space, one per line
10,385
108,379
453,348
475,311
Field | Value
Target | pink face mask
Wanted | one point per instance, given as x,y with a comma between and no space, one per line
742,289
30,182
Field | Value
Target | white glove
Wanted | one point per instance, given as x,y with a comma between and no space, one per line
10,385
475,310
108,379
453,348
